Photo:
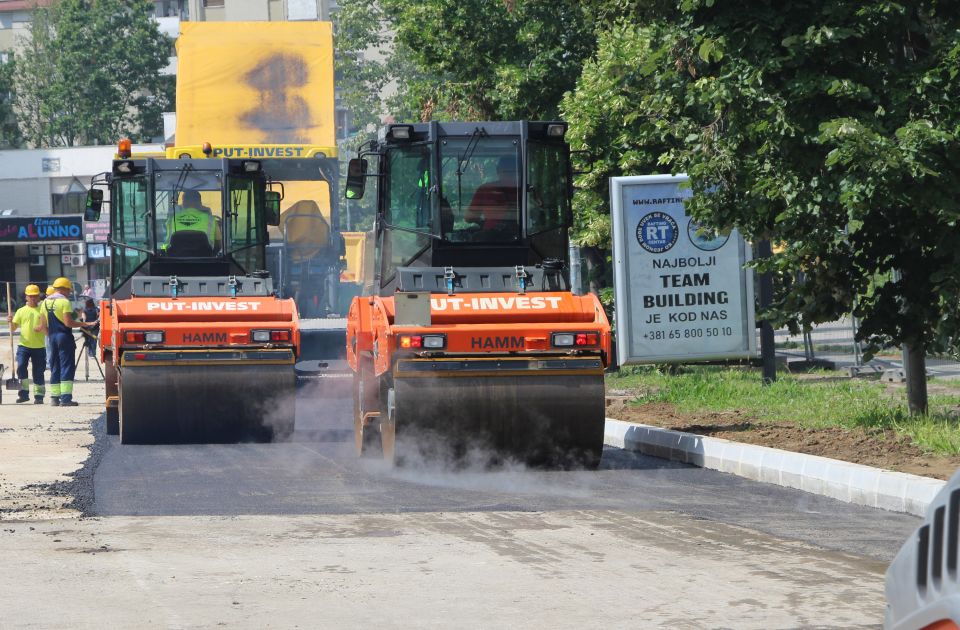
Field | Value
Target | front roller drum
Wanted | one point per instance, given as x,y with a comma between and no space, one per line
206,404
553,420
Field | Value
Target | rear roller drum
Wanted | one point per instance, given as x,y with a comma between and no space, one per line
201,404
544,420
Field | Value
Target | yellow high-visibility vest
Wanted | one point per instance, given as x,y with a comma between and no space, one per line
191,219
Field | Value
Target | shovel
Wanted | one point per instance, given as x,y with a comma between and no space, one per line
12,383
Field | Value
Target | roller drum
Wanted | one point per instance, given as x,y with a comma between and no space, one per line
553,420
206,404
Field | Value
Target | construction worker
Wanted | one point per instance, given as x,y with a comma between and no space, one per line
46,339
31,351
60,325
193,216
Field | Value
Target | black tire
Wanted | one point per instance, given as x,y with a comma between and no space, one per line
113,421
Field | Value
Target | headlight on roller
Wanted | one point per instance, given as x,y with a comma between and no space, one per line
434,342
153,337
260,336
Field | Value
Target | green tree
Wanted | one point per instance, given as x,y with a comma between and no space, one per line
9,129
825,126
609,113
89,73
361,43
463,59
482,60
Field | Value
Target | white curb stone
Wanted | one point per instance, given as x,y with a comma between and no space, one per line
853,483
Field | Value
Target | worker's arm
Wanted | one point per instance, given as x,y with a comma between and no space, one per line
13,323
70,322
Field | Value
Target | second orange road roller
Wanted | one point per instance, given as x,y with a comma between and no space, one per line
471,335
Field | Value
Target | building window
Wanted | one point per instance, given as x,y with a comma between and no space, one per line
171,8
72,201
213,4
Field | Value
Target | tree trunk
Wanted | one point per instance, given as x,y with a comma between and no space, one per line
768,352
915,372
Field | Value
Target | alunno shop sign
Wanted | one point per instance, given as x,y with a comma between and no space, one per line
682,294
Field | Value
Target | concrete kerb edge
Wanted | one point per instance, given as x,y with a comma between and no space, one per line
852,483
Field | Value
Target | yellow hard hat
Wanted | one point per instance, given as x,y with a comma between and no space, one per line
62,283
32,289
50,290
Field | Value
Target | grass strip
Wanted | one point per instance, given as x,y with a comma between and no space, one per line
820,400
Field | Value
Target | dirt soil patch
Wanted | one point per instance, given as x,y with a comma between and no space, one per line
871,447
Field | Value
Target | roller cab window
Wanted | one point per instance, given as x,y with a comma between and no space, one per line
408,190
548,187
189,213
131,227
247,227
480,189
408,216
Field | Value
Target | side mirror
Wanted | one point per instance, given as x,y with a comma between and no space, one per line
94,204
272,207
356,178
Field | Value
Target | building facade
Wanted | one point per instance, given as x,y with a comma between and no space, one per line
42,232
43,191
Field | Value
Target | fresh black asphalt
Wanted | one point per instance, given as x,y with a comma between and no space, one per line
318,473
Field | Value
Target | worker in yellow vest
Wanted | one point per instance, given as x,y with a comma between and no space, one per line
50,291
60,325
31,351
193,216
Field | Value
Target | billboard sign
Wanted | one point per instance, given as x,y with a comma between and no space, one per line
57,228
96,231
682,292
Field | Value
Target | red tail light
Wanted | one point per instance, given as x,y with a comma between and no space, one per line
570,339
410,341
586,339
145,336
270,336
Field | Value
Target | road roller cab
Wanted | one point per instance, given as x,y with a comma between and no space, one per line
197,347
472,334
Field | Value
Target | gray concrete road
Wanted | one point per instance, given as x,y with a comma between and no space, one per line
304,535
487,569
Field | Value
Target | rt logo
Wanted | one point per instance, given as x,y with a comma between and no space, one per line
657,232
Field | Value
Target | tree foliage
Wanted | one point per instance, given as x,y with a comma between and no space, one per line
9,129
468,59
825,126
361,63
89,73
828,127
